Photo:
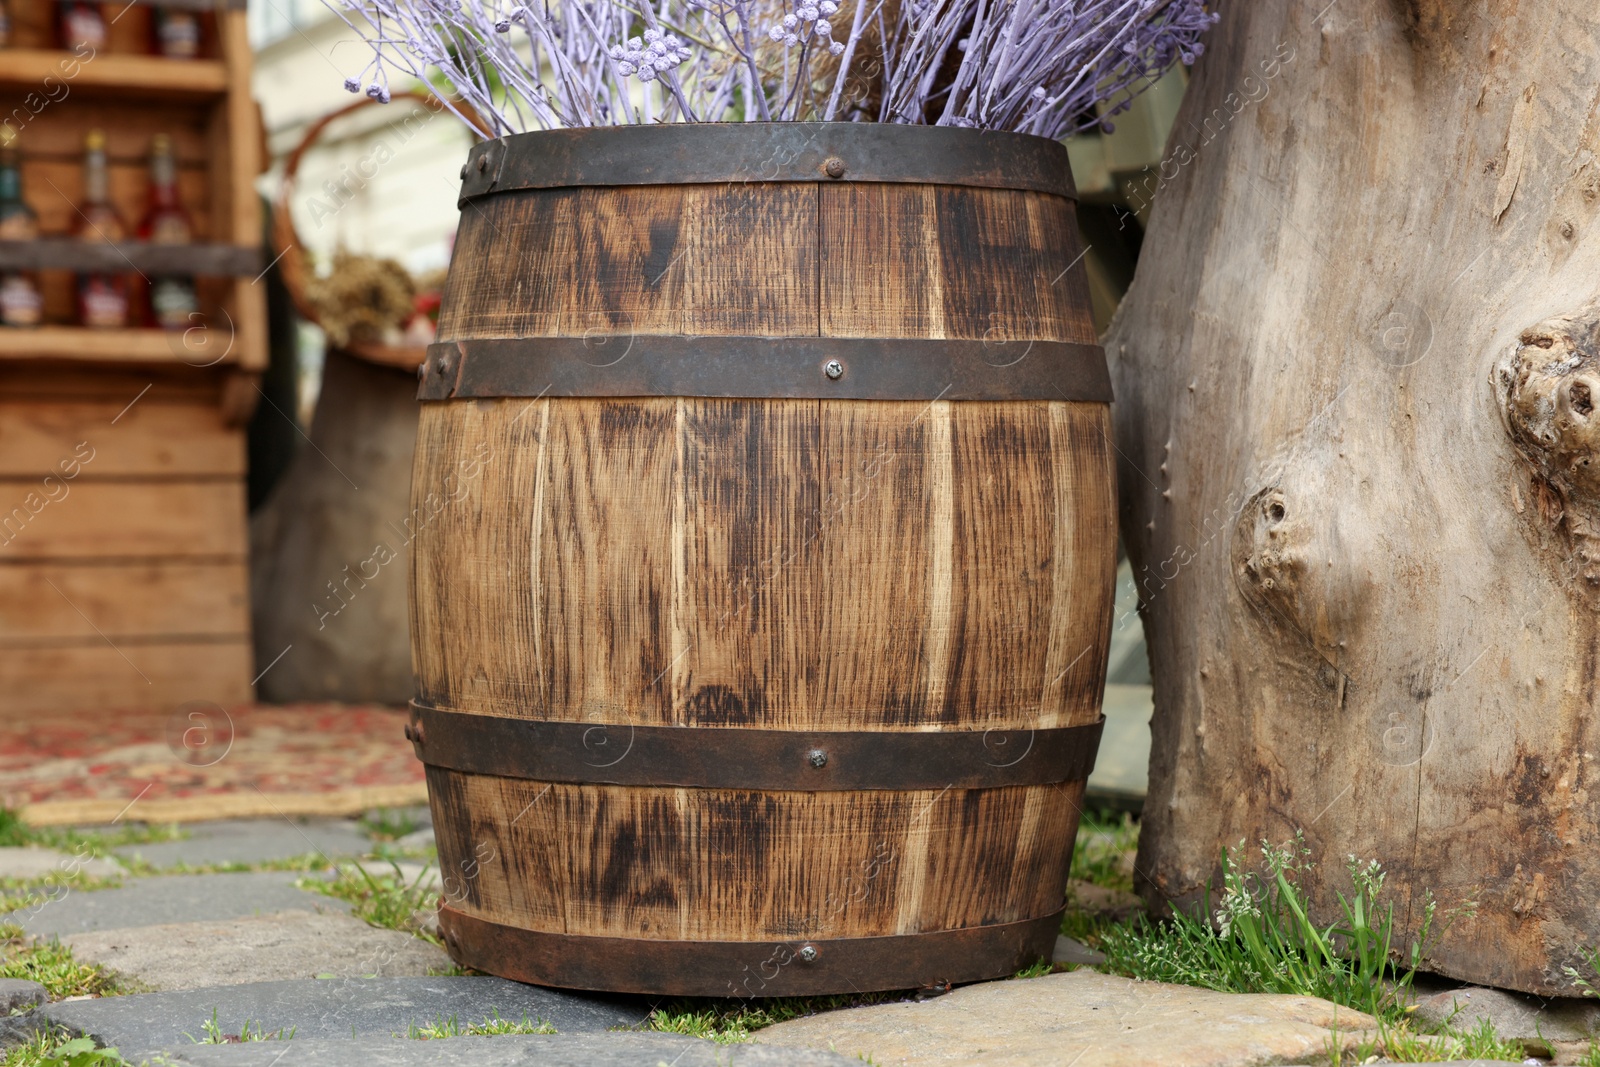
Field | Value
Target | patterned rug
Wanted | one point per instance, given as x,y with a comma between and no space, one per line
206,762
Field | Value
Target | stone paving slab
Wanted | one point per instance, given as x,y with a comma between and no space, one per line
144,1023
263,948
554,1050
1514,1015
37,863
417,839
255,841
1086,1019
18,993
170,899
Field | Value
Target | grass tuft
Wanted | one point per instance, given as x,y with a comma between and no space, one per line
493,1025
1037,969
215,1036
729,1021
383,899
55,1047
1264,942
16,833
50,963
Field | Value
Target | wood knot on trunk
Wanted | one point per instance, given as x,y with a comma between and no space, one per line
1547,388
1268,565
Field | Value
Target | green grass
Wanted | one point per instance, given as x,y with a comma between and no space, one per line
16,833
57,1048
1036,970
1590,1058
1261,939
451,1027
1103,843
50,963
383,899
215,1036
309,861
731,1021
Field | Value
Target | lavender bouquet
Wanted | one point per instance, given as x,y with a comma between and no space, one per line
1046,67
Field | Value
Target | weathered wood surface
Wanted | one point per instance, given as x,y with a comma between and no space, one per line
329,545
122,541
895,565
1369,605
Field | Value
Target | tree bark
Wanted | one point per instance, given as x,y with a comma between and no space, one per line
1356,378
330,546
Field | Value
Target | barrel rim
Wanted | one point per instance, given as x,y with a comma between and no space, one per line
718,153
768,968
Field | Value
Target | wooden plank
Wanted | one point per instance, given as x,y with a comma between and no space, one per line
872,523
611,481
159,675
106,346
1002,515
122,520
471,462
240,159
47,603
939,261
237,156
112,438
65,253
56,132
735,259
737,866
79,382
149,77
746,600
1083,475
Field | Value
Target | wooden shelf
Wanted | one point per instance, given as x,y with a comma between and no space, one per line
149,77
121,346
66,253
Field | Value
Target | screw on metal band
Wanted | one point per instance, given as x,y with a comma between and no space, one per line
834,167
817,758
807,953
833,369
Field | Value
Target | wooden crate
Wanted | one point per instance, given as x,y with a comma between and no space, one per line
123,535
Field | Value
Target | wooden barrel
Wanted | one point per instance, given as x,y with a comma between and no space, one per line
764,540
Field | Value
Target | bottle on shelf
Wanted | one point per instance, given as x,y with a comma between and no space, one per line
102,298
5,23
177,33
81,24
171,302
20,302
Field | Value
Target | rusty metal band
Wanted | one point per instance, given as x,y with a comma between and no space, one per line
739,758
836,368
747,968
712,153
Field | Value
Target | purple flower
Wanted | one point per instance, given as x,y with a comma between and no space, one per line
1046,67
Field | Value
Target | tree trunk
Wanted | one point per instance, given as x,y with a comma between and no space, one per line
1356,381
329,546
